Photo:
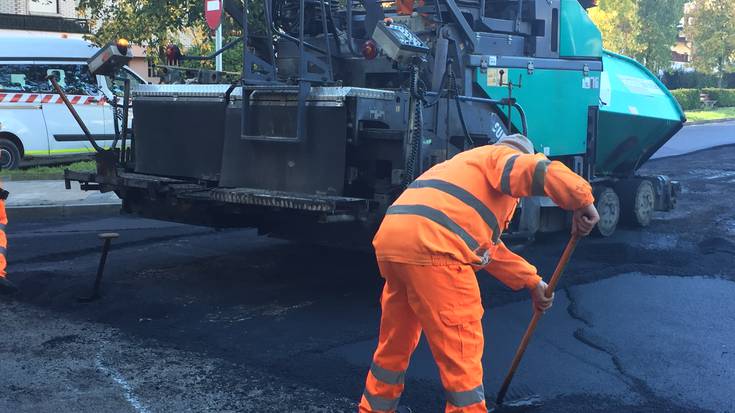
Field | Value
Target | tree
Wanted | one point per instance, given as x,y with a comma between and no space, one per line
658,31
155,23
619,23
150,23
642,29
711,29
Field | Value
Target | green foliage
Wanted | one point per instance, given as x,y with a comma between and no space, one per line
724,97
231,58
201,48
681,79
711,29
150,23
687,98
712,114
153,23
618,21
658,30
46,172
642,29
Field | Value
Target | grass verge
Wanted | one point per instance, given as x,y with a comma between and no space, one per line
710,114
45,172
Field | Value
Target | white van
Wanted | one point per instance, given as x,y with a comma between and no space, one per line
34,122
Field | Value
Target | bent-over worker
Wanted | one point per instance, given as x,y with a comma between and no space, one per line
443,228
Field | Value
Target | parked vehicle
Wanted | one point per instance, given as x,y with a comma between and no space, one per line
33,122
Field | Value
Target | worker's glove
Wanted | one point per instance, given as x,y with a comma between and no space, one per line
584,220
538,297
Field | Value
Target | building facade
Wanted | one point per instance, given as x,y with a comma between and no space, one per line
41,17
681,51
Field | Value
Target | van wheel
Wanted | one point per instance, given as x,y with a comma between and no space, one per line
9,154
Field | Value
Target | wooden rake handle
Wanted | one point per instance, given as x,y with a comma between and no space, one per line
571,245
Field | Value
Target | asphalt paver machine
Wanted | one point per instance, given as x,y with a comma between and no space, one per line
341,104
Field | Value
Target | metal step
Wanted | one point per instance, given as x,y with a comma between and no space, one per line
288,200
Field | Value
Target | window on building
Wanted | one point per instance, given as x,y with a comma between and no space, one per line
43,6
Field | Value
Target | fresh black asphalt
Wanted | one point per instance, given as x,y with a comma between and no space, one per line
194,319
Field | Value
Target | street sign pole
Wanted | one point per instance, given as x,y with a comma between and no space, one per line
217,46
213,15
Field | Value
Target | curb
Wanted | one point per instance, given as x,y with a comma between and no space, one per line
62,210
705,122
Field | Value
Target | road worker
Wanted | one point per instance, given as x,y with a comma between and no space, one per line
443,228
6,287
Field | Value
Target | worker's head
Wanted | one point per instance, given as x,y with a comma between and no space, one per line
518,142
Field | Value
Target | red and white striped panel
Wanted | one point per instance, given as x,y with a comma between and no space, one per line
47,98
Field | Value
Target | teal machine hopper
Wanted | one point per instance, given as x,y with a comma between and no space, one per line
614,116
637,116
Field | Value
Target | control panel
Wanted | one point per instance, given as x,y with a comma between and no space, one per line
398,42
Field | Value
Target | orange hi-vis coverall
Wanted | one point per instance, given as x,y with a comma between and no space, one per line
3,239
443,228
405,7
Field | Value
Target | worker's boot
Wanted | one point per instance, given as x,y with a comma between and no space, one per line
7,287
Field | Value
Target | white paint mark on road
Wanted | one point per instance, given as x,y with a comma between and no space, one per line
242,313
118,378
277,310
722,174
712,174
730,226
659,241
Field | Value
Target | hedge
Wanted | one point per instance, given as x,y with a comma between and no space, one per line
688,98
696,80
724,97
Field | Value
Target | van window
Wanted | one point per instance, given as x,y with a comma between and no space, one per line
31,78
117,85
14,78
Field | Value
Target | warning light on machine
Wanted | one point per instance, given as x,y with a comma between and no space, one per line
122,45
369,50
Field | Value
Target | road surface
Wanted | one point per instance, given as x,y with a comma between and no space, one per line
200,320
696,137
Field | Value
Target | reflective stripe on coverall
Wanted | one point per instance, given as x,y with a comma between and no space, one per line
442,229
3,239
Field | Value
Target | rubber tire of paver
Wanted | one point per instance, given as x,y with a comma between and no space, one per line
637,201
9,154
608,206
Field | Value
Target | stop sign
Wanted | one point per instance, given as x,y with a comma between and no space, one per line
213,13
